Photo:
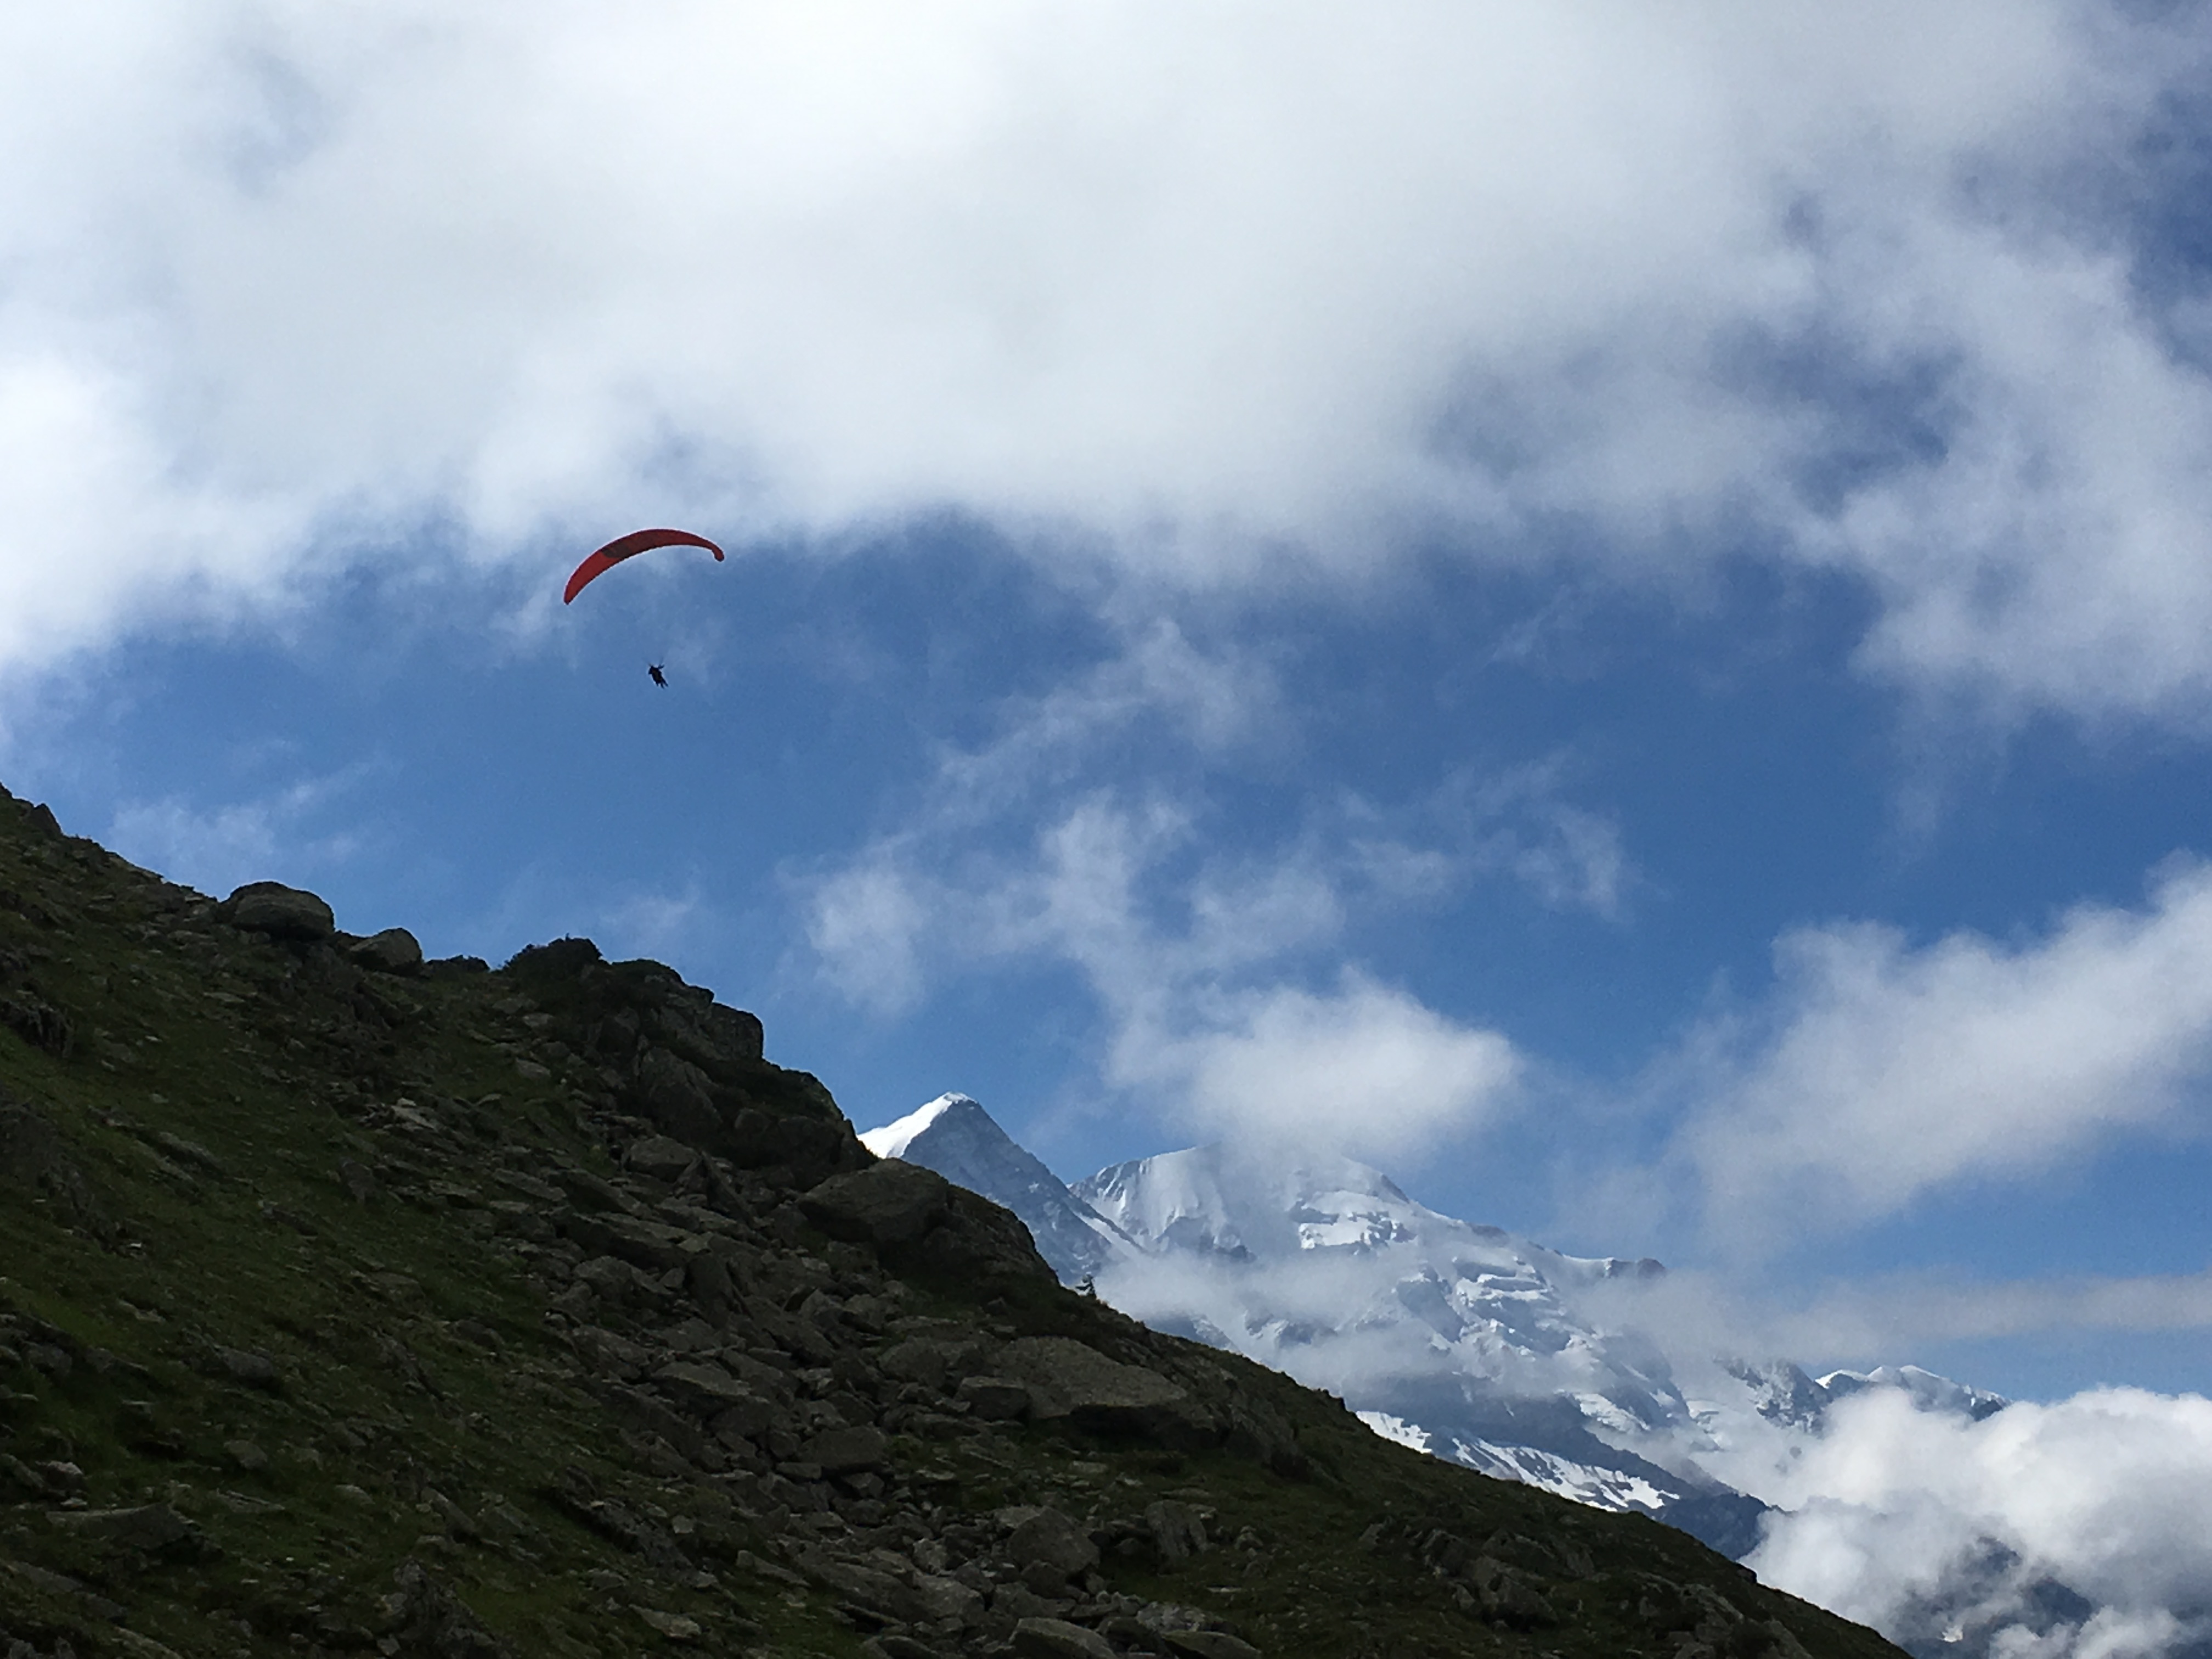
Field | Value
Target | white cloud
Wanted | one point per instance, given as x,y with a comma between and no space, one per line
1365,1066
1881,1070
1211,293
1926,1524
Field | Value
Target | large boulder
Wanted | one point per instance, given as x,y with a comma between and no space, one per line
1071,1379
890,1203
916,1218
281,912
394,950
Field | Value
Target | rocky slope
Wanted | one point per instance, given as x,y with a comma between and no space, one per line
351,1304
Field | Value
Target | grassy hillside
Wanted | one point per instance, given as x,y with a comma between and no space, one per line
352,1304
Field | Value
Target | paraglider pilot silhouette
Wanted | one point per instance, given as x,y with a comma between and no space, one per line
654,669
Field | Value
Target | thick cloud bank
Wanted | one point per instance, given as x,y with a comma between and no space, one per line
1199,290
2069,1531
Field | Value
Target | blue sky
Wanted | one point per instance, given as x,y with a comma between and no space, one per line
1614,616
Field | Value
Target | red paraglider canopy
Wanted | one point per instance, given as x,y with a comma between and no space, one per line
624,547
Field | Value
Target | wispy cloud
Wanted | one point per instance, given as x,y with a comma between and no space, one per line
279,836
1214,967
657,924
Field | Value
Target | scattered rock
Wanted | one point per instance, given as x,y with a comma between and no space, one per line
359,1183
994,1399
673,1625
247,1455
255,1371
662,1158
869,1586
188,1151
846,1451
1507,1597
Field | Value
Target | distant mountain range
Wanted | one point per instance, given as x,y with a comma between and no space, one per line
1463,1340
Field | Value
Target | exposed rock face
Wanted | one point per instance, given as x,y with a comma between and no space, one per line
281,912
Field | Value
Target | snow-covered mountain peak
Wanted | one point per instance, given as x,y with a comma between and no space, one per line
893,1139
